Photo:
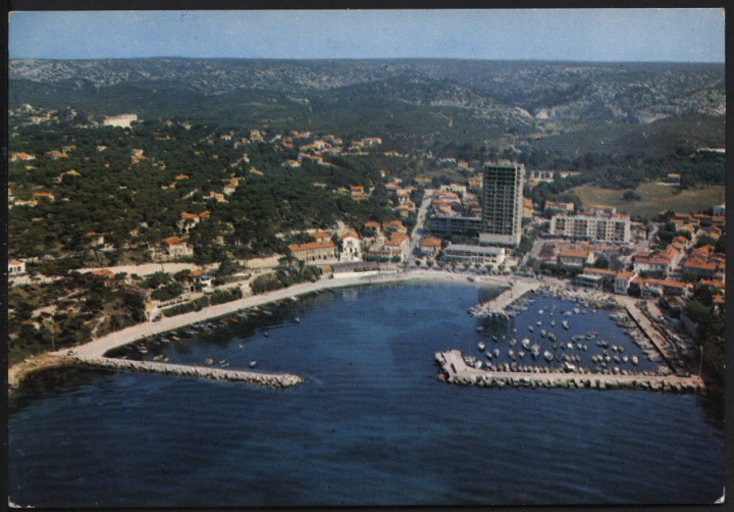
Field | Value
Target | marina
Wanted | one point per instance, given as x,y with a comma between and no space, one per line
454,369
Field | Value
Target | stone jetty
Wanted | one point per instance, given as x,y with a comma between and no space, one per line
455,370
276,380
496,307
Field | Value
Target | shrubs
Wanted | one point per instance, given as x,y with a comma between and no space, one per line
218,297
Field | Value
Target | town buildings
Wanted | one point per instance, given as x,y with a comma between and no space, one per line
312,251
597,225
501,203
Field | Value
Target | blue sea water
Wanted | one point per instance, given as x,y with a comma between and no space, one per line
370,426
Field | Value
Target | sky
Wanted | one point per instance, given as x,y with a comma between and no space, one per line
623,35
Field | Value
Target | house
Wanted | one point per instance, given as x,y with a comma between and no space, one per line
311,251
18,157
173,247
189,220
664,261
622,281
351,247
575,257
321,236
372,225
43,195
397,244
16,267
395,225
429,246
527,208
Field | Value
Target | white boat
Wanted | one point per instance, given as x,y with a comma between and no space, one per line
480,328
535,350
634,360
521,354
543,333
565,325
481,345
253,364
526,343
539,322
512,342
540,311
531,328
553,323
497,352
548,355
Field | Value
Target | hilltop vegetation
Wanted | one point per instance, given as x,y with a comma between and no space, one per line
551,107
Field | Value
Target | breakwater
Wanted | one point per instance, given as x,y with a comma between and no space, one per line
276,380
455,370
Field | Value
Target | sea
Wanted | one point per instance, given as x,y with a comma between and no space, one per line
371,425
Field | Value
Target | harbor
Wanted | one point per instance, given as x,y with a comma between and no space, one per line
454,369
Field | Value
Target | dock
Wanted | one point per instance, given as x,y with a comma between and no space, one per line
276,380
454,370
496,307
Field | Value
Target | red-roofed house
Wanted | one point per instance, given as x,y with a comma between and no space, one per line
311,251
575,257
173,247
16,267
622,281
430,245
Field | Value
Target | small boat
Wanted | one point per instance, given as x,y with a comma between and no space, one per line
530,328
142,349
158,357
297,320
477,364
521,354
539,322
540,311
553,323
526,343
565,325
253,364
497,352
512,342
481,345
480,328
535,350
552,336
208,361
635,360
548,355
543,333
266,334
494,338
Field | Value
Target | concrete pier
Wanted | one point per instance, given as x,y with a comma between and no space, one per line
277,380
496,306
455,370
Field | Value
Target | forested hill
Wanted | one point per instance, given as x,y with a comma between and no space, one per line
479,102
541,88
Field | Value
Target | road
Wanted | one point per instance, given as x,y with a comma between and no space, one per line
420,221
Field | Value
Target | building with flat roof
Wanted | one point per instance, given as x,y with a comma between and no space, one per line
475,254
501,204
597,226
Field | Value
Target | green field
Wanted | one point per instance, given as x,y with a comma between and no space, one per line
655,198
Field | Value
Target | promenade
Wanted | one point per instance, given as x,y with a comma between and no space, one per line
455,370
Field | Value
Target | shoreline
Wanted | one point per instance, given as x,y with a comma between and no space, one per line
81,355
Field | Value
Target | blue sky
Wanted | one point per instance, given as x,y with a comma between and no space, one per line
685,35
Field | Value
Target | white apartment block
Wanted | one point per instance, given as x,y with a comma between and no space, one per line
593,227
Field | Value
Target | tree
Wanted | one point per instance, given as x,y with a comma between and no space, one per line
631,195
634,290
